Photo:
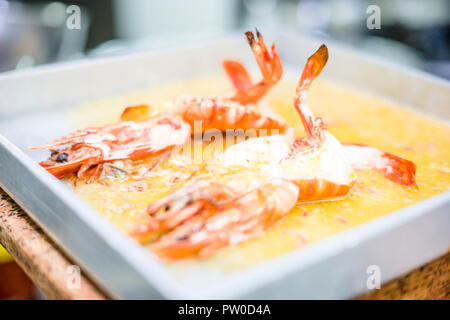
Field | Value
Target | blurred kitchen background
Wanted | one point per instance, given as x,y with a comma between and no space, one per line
413,32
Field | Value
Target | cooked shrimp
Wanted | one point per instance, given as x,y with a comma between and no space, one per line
274,173
239,111
86,150
216,225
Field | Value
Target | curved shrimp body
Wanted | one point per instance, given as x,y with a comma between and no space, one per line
85,150
239,111
236,210
223,114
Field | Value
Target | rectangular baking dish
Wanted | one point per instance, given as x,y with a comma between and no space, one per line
34,107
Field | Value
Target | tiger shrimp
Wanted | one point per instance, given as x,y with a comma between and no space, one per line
85,151
240,110
278,171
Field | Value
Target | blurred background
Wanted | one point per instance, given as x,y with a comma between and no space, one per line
413,32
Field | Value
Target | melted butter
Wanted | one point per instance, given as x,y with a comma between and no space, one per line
351,116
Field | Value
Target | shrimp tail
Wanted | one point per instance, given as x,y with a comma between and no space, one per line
399,170
314,126
393,167
268,62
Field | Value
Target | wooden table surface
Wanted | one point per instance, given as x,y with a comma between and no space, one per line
49,268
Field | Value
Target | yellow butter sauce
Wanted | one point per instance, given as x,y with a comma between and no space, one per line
351,116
